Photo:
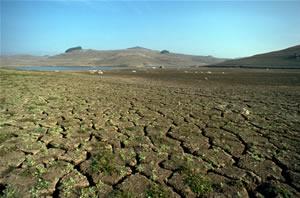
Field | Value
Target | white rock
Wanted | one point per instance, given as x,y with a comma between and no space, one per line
92,71
246,111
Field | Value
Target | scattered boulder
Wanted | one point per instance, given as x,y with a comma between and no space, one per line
73,49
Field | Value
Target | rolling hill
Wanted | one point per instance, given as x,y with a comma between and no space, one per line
286,58
131,57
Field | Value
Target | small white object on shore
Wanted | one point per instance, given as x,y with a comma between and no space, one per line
100,72
209,72
133,71
92,71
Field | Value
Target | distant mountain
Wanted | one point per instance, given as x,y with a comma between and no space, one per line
131,57
286,58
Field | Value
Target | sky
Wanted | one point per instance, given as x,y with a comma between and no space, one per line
228,29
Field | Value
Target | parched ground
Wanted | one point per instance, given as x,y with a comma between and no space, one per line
158,133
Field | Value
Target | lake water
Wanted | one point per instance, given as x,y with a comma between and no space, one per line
64,68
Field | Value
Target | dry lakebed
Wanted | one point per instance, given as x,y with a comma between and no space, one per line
150,133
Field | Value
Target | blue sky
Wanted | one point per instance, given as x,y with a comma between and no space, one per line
219,28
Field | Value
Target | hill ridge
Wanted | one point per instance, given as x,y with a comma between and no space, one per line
131,57
285,58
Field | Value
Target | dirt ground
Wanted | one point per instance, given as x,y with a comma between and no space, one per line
150,133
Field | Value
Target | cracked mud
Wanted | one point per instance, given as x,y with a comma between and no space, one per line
163,133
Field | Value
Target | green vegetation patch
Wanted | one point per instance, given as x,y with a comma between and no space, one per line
67,187
104,162
90,192
157,191
41,185
9,192
198,184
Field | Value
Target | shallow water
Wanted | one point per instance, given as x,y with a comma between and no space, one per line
64,68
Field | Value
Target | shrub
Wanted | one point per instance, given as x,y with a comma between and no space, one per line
164,52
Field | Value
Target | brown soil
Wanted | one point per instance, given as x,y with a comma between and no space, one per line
150,133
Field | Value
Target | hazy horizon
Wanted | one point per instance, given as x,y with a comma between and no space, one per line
218,28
